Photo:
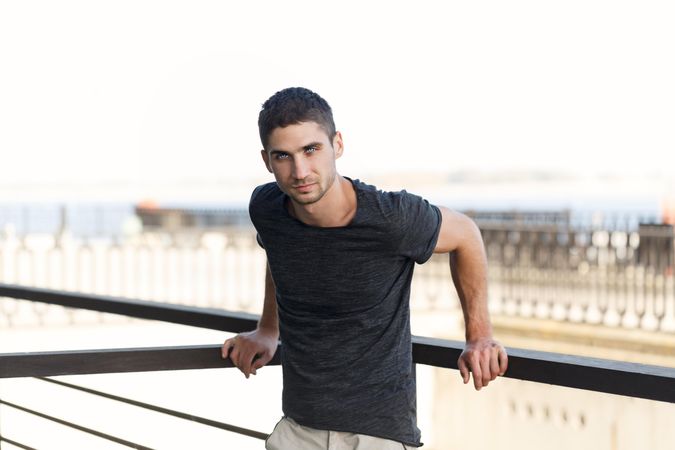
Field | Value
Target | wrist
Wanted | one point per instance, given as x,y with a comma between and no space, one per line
478,333
270,329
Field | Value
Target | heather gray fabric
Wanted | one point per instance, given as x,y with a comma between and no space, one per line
343,301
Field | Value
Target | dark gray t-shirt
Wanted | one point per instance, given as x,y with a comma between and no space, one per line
344,318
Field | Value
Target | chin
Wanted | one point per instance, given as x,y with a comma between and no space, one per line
306,200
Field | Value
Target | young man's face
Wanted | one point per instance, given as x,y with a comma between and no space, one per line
302,159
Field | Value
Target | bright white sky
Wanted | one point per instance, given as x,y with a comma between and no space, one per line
167,90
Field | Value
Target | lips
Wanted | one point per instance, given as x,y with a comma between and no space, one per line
304,187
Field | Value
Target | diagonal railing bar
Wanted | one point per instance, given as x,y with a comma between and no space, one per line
77,427
171,412
210,318
79,362
15,443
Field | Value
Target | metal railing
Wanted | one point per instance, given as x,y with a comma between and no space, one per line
609,277
605,276
614,377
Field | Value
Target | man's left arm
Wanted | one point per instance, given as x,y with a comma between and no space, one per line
483,357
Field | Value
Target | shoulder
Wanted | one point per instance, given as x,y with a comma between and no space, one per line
390,205
263,196
410,223
265,193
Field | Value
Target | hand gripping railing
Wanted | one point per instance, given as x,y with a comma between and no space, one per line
614,377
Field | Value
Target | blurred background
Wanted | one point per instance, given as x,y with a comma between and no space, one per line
129,143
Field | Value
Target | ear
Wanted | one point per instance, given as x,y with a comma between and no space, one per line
338,146
266,159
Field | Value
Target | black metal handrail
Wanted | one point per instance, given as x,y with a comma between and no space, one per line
211,318
614,377
81,362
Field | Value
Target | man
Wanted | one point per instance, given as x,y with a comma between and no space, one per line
340,257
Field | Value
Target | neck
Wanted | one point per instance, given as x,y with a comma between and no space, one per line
335,209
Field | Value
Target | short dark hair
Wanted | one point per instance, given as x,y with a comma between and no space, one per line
292,106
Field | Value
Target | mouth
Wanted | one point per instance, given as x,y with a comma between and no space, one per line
304,187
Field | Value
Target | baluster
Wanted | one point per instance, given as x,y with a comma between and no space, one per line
172,271
144,274
599,240
668,321
615,300
251,281
649,321
496,291
113,269
633,282
612,317
158,262
659,298
244,264
228,276
213,244
515,274
38,248
200,274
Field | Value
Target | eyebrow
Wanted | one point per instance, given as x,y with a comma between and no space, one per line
304,147
312,144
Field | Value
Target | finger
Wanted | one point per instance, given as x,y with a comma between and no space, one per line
234,355
258,363
485,368
477,373
224,352
261,361
494,363
463,369
503,361
246,360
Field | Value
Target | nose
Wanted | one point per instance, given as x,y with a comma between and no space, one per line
300,168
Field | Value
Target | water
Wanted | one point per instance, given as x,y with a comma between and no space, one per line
80,219
585,199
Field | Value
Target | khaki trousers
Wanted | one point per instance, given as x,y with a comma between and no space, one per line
289,435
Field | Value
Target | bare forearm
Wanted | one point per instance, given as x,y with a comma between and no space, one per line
251,350
468,265
269,320
483,357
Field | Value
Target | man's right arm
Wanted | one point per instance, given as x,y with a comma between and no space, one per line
252,350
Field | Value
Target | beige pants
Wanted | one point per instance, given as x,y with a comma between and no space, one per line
289,435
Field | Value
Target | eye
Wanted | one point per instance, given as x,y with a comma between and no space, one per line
280,155
311,149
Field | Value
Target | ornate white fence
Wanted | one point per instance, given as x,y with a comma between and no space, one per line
537,275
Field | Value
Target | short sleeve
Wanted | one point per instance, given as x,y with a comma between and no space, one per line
254,204
253,212
259,240
420,224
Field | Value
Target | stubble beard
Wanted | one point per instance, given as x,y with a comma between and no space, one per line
315,197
